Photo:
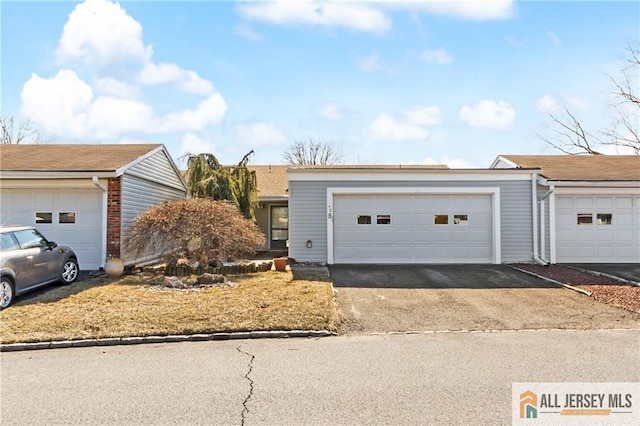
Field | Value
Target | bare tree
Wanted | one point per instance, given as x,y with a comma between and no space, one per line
19,132
312,152
566,133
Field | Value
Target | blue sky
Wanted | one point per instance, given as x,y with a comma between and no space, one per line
385,82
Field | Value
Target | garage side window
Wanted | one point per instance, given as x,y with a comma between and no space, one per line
44,217
383,219
7,242
67,217
604,219
364,219
460,219
585,218
441,219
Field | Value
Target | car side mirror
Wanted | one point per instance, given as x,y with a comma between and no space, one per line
51,245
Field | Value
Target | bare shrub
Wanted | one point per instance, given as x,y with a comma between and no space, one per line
200,229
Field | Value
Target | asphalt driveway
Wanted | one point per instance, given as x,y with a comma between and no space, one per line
628,271
397,298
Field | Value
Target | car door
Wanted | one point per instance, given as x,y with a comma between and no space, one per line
40,258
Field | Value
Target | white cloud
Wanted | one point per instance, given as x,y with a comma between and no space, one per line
100,34
453,163
258,134
424,116
58,105
188,81
370,62
331,112
548,104
554,37
193,144
436,56
244,31
350,15
488,114
387,127
105,43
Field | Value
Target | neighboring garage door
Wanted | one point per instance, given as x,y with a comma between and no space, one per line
412,229
597,229
67,216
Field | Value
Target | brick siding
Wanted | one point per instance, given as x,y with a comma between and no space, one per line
114,217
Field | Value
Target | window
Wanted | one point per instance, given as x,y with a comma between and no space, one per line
30,238
383,219
585,218
441,219
69,217
604,218
44,217
364,219
7,242
460,219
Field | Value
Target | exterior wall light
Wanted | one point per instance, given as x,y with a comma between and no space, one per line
309,243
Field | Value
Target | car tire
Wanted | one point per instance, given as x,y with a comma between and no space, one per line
69,272
7,291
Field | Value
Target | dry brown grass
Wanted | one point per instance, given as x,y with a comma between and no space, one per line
134,306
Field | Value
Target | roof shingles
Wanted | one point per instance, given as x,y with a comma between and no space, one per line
582,167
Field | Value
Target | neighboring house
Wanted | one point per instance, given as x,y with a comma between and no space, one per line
588,206
420,215
272,214
86,196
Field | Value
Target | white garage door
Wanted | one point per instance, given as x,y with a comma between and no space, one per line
598,229
67,216
412,229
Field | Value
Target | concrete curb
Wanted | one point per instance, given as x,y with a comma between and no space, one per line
118,341
605,275
570,287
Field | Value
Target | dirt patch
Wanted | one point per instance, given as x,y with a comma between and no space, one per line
602,289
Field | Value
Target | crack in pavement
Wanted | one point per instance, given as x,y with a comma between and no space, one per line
245,409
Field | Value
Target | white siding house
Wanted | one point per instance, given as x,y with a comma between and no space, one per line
85,196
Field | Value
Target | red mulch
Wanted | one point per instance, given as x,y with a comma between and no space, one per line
602,289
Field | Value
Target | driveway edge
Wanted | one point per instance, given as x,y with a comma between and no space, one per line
118,341
570,287
604,274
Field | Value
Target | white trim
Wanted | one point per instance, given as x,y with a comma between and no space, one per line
552,227
501,159
598,191
55,175
406,175
534,212
493,191
594,184
543,238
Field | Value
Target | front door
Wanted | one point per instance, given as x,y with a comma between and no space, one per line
279,227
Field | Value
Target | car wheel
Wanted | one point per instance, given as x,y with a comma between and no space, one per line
6,292
69,272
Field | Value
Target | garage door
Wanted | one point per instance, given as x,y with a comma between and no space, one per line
598,229
67,216
412,229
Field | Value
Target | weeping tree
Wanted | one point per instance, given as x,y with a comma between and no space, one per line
207,178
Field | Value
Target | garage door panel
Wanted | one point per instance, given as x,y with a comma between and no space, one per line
598,242
412,236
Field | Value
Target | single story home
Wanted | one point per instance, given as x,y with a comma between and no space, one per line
521,209
588,206
272,214
85,196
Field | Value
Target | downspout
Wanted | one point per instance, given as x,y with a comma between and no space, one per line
105,200
540,259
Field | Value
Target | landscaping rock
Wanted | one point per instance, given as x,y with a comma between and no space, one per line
173,282
211,279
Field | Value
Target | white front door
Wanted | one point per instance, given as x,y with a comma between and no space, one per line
597,229
412,229
68,216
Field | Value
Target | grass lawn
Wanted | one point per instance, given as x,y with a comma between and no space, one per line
136,306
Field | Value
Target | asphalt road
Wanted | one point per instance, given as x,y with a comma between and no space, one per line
445,378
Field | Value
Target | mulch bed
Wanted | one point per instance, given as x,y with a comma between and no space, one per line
602,289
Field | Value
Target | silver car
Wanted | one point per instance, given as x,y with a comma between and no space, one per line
29,261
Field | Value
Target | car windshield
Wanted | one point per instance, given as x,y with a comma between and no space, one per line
30,238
